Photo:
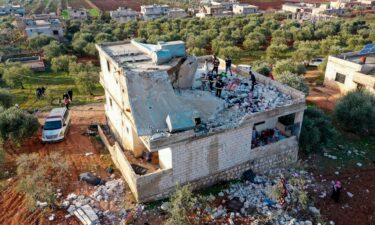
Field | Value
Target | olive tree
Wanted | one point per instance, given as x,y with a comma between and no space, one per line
355,112
182,202
62,62
317,130
14,74
17,125
86,81
294,80
39,41
289,65
52,50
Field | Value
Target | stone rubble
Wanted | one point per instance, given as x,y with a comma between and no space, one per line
88,209
255,199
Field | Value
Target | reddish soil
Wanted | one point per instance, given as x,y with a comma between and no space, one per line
276,4
324,97
360,209
74,148
77,4
114,4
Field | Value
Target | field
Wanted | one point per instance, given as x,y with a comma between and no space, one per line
276,4
114,4
56,85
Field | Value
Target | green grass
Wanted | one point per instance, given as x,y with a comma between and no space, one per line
248,57
57,84
94,13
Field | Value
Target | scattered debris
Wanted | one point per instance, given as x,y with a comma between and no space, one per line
359,164
87,215
41,204
51,217
349,194
90,178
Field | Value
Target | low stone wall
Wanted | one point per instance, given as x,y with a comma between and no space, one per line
263,158
119,159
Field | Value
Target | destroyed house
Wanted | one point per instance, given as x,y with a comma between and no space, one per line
170,129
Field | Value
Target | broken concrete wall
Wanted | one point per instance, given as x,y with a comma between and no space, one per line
119,159
260,160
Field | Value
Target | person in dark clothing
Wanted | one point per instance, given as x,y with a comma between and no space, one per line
253,80
210,80
65,95
43,91
336,191
219,87
66,102
70,93
228,65
38,92
216,64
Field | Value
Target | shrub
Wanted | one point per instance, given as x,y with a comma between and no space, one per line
317,130
294,81
15,74
263,68
289,65
355,112
39,177
181,203
16,125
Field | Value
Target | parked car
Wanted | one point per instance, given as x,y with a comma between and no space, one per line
316,62
56,125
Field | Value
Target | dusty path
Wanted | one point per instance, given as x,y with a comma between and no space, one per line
324,97
74,148
359,209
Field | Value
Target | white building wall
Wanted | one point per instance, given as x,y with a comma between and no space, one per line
199,158
347,68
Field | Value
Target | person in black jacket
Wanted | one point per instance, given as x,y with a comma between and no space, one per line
219,87
253,80
70,93
228,65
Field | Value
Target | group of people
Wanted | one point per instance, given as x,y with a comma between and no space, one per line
211,79
68,98
266,137
40,92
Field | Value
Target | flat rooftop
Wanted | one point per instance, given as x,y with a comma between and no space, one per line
365,57
153,97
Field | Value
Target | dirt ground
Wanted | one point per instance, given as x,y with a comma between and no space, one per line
114,4
74,148
324,97
276,4
359,209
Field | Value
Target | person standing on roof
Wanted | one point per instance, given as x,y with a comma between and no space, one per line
216,63
219,86
228,65
253,80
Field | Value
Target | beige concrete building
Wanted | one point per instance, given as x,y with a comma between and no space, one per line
77,14
244,9
352,71
123,15
170,128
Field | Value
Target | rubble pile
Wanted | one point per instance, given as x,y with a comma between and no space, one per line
251,198
89,210
240,100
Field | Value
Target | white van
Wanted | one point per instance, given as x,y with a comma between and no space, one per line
56,125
